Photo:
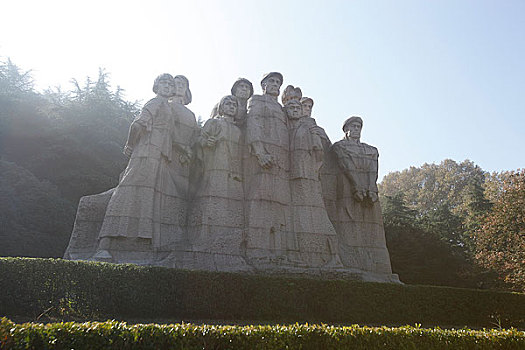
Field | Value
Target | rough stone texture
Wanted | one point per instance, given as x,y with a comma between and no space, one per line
316,236
243,90
259,189
356,212
216,220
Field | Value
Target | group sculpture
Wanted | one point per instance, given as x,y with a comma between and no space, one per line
259,188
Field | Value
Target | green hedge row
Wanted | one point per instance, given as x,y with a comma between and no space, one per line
115,335
57,290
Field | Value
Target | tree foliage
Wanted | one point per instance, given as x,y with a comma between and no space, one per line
417,253
445,197
500,240
68,144
14,80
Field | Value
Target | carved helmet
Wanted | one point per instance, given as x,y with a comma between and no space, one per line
352,119
271,74
242,80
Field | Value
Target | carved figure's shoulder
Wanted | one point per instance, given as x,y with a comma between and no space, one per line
257,98
370,149
153,104
339,144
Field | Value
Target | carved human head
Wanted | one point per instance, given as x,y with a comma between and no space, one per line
352,127
291,93
182,88
308,104
242,88
164,85
271,83
228,106
294,109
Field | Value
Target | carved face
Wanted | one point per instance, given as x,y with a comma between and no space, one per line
229,107
242,90
180,87
165,87
294,110
271,86
307,108
353,131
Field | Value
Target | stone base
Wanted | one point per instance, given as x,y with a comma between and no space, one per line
202,261
315,263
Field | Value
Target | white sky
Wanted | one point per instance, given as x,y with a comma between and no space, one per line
432,80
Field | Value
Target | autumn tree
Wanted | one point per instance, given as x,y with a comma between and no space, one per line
500,241
437,192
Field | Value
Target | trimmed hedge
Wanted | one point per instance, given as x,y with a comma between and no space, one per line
115,335
56,290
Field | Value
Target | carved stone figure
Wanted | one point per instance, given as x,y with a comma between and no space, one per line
147,208
307,103
242,89
316,236
269,236
259,189
217,217
357,215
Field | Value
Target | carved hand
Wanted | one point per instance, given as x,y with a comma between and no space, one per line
373,196
184,158
211,141
265,160
358,195
127,151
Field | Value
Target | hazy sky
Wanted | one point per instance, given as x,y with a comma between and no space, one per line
431,79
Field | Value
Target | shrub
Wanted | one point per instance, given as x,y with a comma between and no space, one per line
119,335
55,289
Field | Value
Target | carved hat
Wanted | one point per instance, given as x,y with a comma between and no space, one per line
271,74
242,80
352,119
304,99
223,100
159,78
291,93
187,95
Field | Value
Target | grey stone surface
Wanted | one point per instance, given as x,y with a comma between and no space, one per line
259,189
351,200
243,90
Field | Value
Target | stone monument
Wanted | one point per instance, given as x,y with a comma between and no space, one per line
258,189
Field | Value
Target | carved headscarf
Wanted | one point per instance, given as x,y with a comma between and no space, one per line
187,95
164,76
223,100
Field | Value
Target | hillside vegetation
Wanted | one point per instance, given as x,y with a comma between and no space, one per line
449,224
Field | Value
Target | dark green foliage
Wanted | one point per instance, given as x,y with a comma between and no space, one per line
421,258
55,148
431,214
118,335
438,193
35,220
60,289
396,213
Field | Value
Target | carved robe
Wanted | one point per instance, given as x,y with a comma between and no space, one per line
359,224
218,215
150,200
269,230
316,236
